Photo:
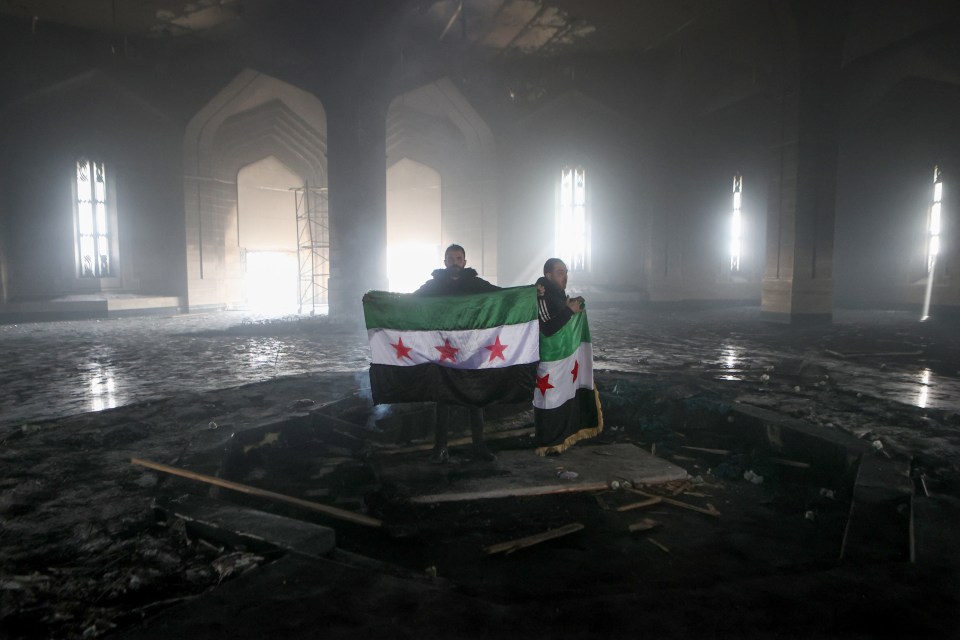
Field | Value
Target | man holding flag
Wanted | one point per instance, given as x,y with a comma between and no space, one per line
566,403
458,341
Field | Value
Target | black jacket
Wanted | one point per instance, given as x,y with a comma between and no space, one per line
554,311
442,284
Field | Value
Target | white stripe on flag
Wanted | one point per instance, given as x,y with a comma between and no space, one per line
561,378
468,349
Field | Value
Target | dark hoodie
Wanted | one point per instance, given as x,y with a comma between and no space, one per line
554,311
442,284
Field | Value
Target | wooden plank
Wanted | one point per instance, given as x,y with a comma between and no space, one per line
711,511
643,525
334,512
722,452
520,543
639,505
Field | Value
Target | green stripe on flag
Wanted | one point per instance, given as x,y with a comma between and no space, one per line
409,312
563,343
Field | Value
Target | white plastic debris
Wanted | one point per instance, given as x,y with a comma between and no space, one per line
827,493
753,477
614,484
764,378
877,445
568,475
797,388
810,515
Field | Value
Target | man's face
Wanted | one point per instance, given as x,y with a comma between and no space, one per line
559,275
454,261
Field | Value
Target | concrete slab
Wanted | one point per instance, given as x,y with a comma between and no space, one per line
254,529
523,473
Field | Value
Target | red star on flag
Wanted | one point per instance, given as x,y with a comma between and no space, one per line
402,349
447,352
496,350
576,369
544,383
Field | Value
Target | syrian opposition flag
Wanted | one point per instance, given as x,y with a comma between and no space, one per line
566,405
474,349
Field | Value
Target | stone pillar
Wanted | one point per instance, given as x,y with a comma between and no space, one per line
798,280
356,132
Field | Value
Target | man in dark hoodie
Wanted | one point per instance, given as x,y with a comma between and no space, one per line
555,307
456,278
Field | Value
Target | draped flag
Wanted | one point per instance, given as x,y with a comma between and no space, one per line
566,405
475,349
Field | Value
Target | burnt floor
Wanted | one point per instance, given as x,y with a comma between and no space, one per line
78,399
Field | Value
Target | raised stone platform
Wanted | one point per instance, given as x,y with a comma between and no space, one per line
523,473
92,305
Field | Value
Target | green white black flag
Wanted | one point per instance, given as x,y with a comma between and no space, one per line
566,403
475,349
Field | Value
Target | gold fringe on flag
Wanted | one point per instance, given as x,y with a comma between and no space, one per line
582,434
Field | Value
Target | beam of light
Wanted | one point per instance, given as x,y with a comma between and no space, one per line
409,264
736,225
922,395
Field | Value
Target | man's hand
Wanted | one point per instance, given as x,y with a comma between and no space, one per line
575,304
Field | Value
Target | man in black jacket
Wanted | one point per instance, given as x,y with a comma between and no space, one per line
555,307
456,278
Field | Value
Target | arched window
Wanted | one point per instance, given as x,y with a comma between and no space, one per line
93,221
572,226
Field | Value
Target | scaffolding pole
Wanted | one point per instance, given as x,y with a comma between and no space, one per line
313,248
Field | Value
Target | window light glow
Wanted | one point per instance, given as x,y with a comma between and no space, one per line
933,224
736,225
933,238
572,231
92,221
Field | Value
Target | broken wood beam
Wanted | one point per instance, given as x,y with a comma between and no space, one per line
643,525
722,452
711,511
334,512
649,502
513,545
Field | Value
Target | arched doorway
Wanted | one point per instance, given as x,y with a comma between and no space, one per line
271,136
413,224
267,236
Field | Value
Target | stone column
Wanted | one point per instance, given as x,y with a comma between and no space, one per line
356,132
798,280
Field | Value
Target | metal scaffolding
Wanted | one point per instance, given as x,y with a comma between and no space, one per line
313,248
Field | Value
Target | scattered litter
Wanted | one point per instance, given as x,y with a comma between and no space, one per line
235,563
750,476
431,571
643,525
810,515
764,378
29,428
212,425
658,545
827,493
567,475
797,389
649,502
697,479
520,543
790,463
877,444
722,452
